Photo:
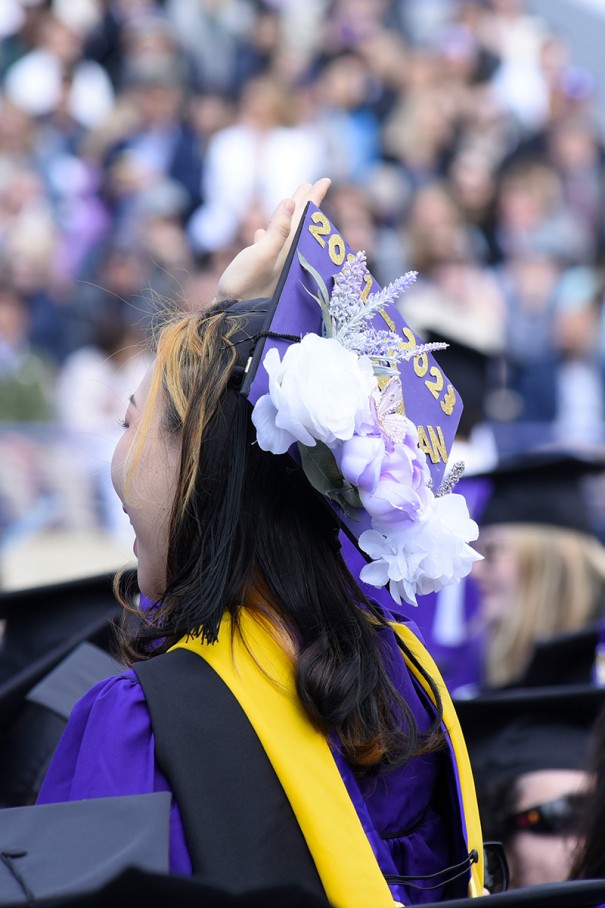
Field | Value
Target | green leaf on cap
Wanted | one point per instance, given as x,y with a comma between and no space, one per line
321,469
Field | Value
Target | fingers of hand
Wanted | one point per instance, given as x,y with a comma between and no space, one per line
281,221
308,192
315,192
319,191
286,216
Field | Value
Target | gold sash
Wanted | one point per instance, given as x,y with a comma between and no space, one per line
259,673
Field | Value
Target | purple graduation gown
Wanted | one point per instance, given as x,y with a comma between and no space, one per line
409,815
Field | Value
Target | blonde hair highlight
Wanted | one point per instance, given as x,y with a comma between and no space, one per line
186,344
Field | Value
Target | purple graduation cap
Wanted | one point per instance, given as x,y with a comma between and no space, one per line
430,400
383,474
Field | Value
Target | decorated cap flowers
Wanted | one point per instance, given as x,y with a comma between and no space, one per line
337,380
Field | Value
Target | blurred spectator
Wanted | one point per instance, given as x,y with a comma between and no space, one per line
543,571
529,282
54,68
436,231
589,860
25,378
532,214
257,160
92,394
473,186
19,27
345,120
529,754
580,388
149,42
159,143
419,133
214,34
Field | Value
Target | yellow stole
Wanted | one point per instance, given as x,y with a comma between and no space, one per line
302,761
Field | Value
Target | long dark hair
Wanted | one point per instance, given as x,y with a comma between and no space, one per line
248,531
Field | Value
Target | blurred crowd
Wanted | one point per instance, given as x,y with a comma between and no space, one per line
143,142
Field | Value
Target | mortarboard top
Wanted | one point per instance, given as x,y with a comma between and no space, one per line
94,590
14,690
40,620
571,658
61,688
429,398
29,743
544,486
511,732
158,890
319,252
30,730
51,851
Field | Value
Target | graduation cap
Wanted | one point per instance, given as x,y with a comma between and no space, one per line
29,743
317,254
544,486
511,732
44,623
156,890
474,347
470,368
300,308
577,657
53,851
43,626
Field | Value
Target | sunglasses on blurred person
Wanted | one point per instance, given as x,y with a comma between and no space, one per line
558,817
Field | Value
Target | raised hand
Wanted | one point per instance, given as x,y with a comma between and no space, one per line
255,270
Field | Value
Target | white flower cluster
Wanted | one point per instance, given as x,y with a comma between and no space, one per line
319,392
358,448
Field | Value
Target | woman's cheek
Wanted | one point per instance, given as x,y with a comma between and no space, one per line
117,467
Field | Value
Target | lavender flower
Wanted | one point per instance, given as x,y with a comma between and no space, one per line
349,312
386,346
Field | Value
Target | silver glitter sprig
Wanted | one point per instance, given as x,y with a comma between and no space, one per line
450,482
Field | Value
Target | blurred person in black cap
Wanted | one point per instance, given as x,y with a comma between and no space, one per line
529,753
543,572
301,727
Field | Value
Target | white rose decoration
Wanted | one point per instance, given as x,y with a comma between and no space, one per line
320,391
425,555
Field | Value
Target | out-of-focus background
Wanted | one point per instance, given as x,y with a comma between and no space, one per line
142,143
